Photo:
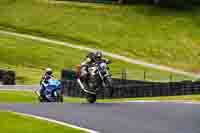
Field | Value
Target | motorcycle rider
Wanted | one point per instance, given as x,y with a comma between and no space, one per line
90,59
46,76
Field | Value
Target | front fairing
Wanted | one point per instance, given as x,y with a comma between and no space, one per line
52,85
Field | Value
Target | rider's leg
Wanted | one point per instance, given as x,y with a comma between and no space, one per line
83,77
41,91
83,73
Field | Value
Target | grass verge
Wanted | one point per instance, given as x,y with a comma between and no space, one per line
30,97
29,58
13,123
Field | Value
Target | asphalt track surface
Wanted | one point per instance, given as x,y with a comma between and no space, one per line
120,117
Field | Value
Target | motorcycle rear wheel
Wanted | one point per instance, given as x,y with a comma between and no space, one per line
60,99
91,98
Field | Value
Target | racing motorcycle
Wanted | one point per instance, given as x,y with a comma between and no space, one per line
50,91
99,78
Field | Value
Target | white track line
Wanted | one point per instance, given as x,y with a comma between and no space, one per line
116,56
57,122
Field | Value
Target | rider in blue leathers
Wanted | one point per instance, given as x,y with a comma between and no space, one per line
47,75
52,89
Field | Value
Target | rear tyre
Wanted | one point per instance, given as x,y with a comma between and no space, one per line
58,96
60,99
91,98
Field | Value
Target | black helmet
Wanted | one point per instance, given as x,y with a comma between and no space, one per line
98,54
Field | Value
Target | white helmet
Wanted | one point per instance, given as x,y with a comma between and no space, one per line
49,71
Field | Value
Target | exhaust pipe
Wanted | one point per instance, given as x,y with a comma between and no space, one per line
83,88
81,85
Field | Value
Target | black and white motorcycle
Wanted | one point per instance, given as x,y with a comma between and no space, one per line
99,78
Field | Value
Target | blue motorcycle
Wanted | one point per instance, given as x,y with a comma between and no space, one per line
51,91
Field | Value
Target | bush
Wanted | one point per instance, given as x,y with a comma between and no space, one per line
178,3
9,78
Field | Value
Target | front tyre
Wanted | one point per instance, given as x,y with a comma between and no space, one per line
41,99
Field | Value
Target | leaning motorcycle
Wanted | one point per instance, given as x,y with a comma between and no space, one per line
50,91
99,78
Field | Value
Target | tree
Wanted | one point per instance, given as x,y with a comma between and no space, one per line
121,1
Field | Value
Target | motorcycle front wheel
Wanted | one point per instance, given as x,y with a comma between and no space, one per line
42,100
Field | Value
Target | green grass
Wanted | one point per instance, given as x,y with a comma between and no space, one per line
29,59
189,98
158,35
14,123
30,97
194,98
17,97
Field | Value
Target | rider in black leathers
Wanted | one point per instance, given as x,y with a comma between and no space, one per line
91,58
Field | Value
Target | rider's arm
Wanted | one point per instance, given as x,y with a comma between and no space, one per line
85,62
107,61
42,79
